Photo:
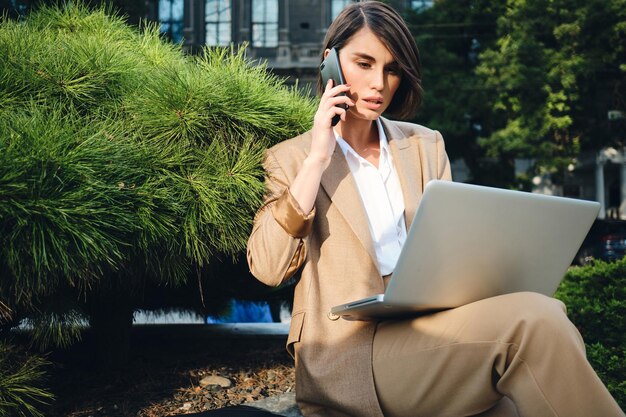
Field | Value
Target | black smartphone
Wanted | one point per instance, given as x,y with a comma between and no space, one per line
331,70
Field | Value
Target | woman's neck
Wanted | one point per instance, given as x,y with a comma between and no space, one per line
362,136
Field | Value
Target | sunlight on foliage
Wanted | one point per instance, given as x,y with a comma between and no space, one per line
123,160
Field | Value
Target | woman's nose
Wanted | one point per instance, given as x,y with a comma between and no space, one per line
378,80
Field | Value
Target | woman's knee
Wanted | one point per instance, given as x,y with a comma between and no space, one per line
508,309
534,304
538,316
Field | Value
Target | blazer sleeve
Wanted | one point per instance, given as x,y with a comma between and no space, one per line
277,245
443,163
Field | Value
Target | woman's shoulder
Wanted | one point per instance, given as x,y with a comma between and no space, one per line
410,131
294,147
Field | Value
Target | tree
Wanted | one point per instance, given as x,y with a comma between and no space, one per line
450,37
522,79
124,166
553,73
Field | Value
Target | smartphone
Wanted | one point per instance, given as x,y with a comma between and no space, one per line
331,70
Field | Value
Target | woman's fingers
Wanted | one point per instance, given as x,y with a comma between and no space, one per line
326,113
339,100
334,102
336,97
336,90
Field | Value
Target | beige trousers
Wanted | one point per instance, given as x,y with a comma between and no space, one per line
464,361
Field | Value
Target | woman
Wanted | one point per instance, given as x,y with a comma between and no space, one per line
339,203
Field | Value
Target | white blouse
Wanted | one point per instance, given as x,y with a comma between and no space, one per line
382,198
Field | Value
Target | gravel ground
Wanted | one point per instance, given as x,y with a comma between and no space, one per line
167,377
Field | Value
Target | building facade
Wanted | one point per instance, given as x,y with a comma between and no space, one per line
285,34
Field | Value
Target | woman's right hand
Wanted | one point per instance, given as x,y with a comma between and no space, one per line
323,142
306,184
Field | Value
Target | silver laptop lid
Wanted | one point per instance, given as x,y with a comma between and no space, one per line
470,242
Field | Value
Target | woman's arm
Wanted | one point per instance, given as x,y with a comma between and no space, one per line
276,247
306,185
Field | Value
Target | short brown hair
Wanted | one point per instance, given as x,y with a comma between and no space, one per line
392,31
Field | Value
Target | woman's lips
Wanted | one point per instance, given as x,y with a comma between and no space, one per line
373,103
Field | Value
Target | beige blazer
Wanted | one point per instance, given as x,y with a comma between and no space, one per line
332,250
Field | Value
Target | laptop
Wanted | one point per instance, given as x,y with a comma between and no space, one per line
470,242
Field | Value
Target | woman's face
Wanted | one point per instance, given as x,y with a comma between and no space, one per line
372,73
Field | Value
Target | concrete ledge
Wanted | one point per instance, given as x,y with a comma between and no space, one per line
215,331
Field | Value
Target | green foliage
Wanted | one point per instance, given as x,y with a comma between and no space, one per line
58,57
66,207
52,329
123,162
595,296
21,377
450,36
553,74
522,79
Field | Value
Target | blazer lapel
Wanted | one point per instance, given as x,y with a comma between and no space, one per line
407,164
340,186
338,183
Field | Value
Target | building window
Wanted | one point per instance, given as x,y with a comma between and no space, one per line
265,23
218,21
171,18
336,6
420,5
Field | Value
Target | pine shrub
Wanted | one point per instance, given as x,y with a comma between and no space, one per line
124,163
595,296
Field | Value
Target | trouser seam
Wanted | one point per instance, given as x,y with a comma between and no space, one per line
530,371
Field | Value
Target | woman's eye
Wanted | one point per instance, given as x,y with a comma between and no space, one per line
363,64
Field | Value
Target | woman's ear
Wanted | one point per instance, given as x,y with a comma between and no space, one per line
326,52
